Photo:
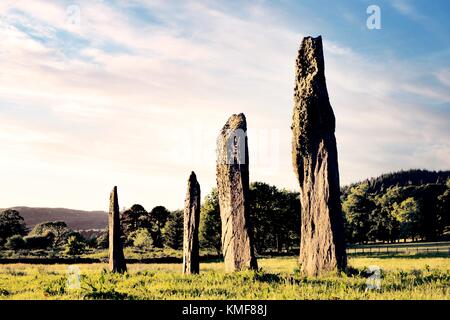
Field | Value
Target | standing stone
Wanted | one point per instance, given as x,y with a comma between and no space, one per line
191,262
315,160
116,257
233,188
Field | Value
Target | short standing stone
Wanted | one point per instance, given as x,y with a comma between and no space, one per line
315,160
116,257
233,189
191,264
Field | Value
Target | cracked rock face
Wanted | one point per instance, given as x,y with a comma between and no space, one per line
315,161
233,189
116,257
191,263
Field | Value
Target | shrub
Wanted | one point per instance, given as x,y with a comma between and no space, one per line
39,242
15,243
141,238
74,246
102,241
59,230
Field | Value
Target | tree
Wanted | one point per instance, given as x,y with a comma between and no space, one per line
39,242
102,241
133,219
59,229
262,199
15,242
443,206
173,230
141,238
357,208
407,214
158,219
432,218
275,217
385,226
11,223
288,221
210,223
74,246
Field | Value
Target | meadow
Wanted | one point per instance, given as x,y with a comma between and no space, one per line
403,276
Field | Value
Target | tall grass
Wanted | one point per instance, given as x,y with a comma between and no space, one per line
403,277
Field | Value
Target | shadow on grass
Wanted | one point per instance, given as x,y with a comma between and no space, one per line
262,276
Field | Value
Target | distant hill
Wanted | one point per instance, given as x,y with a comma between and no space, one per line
402,178
75,219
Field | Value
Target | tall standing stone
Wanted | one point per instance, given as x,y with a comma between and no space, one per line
315,160
191,263
116,257
233,189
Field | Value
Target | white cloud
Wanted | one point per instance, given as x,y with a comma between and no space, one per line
142,117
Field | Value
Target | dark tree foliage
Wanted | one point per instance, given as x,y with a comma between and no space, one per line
133,219
210,224
401,178
39,242
137,217
74,246
173,230
15,242
158,219
102,240
11,223
275,216
58,229
404,205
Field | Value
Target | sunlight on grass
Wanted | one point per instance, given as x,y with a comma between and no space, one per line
404,277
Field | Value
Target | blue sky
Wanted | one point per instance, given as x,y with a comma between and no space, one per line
133,93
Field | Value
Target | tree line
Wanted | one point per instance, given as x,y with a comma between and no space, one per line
404,205
379,211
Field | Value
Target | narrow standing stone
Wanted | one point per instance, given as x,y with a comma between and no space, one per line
116,257
315,160
233,188
191,263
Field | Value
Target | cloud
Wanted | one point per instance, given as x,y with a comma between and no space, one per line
444,77
135,95
407,9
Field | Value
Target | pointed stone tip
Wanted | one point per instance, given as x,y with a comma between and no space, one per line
241,116
310,59
314,39
311,43
236,121
192,178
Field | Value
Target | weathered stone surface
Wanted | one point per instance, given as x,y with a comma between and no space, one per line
191,262
233,189
315,161
116,257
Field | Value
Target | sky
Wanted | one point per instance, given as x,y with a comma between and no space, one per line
133,93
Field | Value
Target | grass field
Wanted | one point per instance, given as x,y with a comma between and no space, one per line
412,276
